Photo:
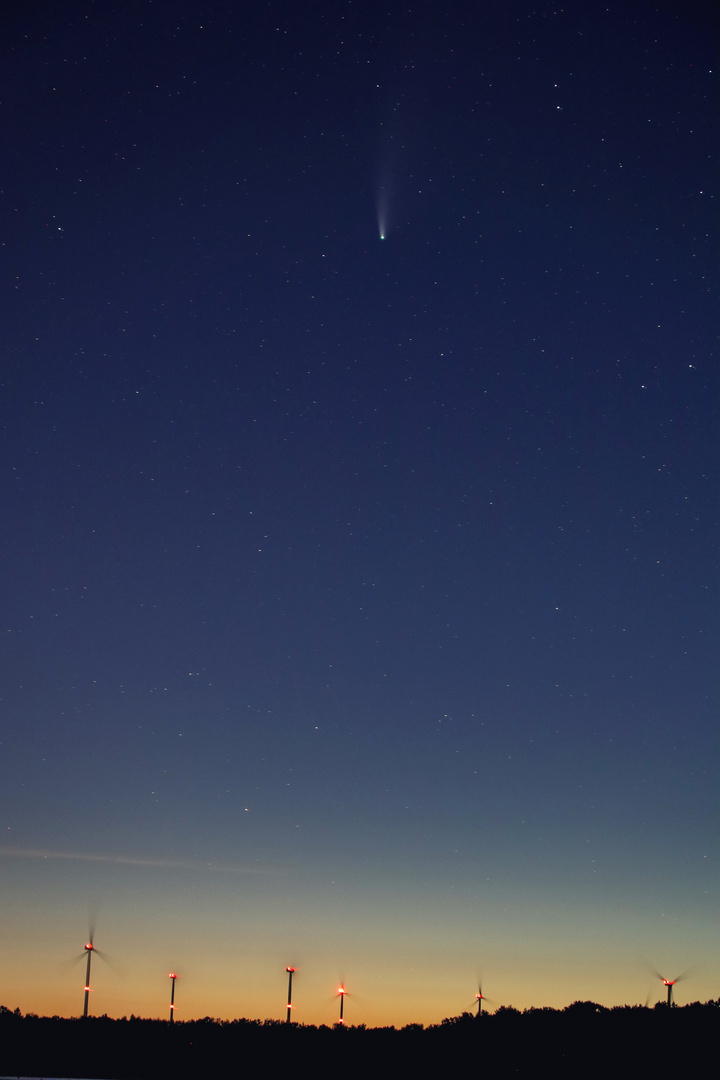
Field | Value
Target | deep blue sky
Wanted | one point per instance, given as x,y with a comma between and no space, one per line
380,573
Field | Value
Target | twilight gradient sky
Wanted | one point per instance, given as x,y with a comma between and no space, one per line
359,603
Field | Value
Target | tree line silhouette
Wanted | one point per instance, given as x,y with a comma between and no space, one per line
583,1039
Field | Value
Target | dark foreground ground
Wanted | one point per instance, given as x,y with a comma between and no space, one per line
582,1040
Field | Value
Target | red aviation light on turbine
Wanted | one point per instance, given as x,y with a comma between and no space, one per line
289,969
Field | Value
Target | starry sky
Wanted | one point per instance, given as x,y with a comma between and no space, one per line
360,471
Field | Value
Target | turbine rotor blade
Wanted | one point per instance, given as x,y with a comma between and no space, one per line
116,966
74,960
652,970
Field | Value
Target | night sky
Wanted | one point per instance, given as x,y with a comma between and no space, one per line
360,471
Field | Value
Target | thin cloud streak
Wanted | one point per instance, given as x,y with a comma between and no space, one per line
126,860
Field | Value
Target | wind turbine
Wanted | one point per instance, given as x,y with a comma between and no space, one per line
290,971
172,976
480,997
89,950
669,983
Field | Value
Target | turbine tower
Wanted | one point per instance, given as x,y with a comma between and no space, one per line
290,971
172,976
341,994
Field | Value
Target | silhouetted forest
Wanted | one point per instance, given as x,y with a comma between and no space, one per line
585,1039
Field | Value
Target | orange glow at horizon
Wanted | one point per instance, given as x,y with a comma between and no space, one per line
234,962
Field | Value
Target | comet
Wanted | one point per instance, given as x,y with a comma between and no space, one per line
383,200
